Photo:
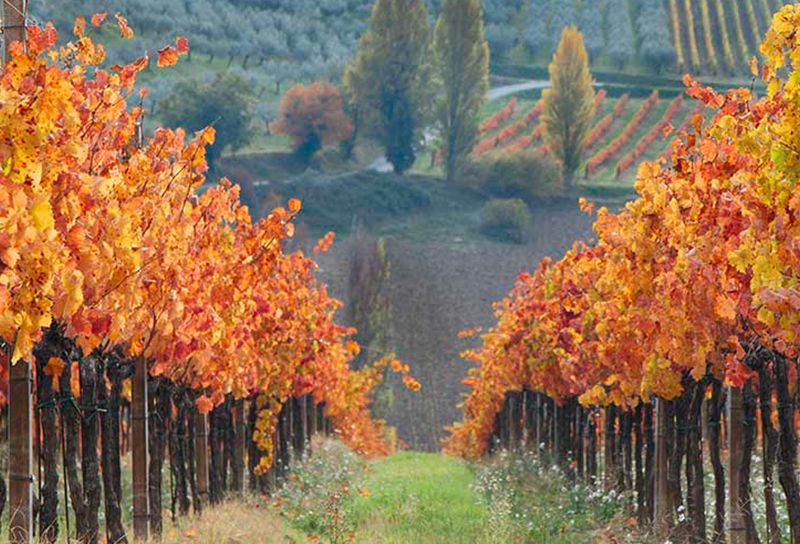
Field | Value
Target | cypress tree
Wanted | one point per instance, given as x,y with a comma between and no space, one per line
462,62
568,104
389,78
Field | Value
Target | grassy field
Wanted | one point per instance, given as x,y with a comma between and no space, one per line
419,497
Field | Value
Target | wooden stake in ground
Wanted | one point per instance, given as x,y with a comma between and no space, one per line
20,454
738,534
19,395
201,455
663,513
139,447
239,448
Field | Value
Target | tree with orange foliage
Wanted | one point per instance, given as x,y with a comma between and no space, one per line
312,116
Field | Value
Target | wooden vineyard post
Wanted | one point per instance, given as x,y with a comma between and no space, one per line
558,432
501,424
271,476
308,402
537,433
529,409
20,462
663,515
139,447
239,447
298,426
609,447
513,421
321,418
313,417
738,534
201,455
20,499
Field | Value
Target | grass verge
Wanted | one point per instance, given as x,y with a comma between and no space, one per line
250,520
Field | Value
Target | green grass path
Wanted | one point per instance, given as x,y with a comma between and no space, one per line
419,498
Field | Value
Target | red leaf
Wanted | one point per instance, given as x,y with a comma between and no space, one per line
98,18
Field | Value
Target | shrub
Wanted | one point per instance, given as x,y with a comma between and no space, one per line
524,174
599,130
312,116
315,496
224,103
507,218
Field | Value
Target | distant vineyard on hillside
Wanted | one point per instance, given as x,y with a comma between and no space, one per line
702,36
624,132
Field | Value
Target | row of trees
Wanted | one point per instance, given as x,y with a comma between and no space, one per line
301,33
113,266
397,72
693,286
607,26
389,85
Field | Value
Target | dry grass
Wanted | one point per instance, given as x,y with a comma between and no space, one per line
247,521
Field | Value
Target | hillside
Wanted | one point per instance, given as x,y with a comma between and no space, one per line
291,40
716,37
444,279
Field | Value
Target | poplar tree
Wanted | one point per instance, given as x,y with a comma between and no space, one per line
568,104
389,78
462,62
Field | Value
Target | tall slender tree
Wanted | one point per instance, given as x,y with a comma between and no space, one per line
462,62
389,78
568,104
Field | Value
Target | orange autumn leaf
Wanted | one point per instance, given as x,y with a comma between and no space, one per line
79,28
204,404
54,367
98,18
168,56
125,31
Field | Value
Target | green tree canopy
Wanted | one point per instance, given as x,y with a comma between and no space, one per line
462,62
224,103
389,78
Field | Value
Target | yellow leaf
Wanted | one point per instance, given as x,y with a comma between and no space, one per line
766,316
73,285
42,213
